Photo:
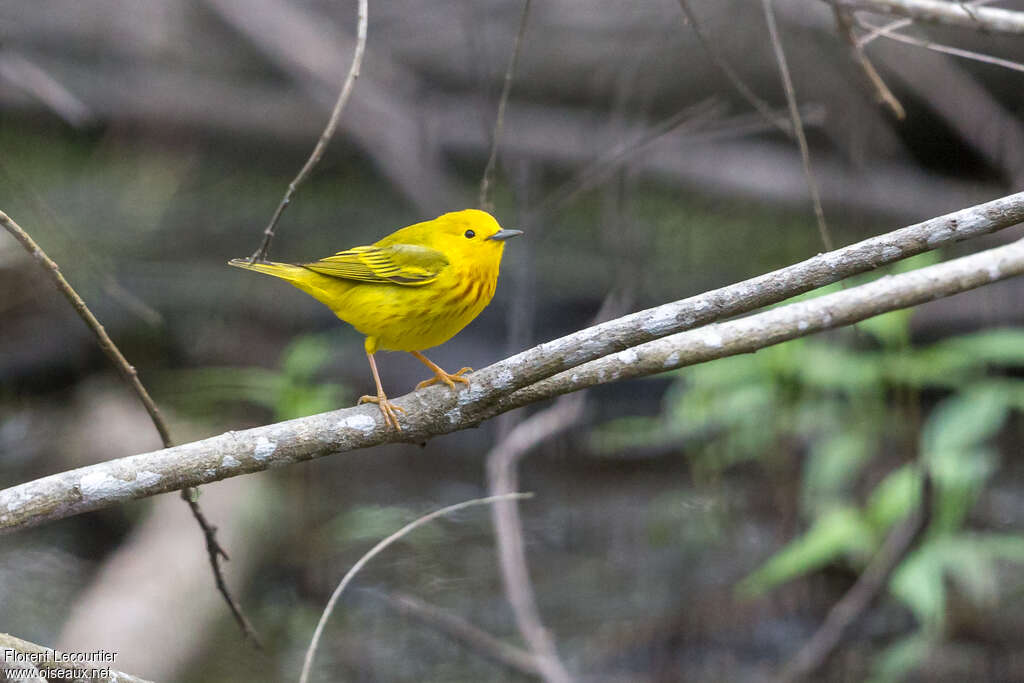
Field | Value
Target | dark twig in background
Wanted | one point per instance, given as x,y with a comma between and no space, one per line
131,377
871,584
463,632
485,200
503,478
903,23
690,118
325,137
891,34
844,21
730,74
798,126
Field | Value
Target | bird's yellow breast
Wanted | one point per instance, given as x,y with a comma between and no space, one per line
398,318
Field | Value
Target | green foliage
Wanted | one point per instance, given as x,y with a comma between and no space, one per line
838,532
375,522
899,659
293,391
851,402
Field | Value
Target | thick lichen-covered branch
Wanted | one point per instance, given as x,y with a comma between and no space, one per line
631,346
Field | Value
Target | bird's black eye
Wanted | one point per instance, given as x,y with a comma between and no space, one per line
470,234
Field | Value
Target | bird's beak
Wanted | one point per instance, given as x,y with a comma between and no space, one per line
503,235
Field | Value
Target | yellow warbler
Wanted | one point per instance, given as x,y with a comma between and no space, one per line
412,290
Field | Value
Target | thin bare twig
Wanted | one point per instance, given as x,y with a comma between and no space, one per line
889,33
870,584
903,23
692,117
991,19
215,552
485,201
502,478
722,64
844,21
462,631
307,663
798,126
131,377
325,137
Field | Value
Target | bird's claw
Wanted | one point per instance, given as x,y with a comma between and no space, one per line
387,409
449,378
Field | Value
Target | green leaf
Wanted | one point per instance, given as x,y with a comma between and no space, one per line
918,583
902,657
890,330
924,368
305,356
1004,347
959,477
893,498
839,532
969,560
832,465
964,420
627,432
375,522
204,390
834,368
929,258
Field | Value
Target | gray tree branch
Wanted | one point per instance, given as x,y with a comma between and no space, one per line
634,342
993,19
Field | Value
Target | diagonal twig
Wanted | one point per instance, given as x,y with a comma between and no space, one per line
991,19
720,62
485,202
318,150
503,478
462,631
689,118
131,377
798,126
844,21
891,34
903,23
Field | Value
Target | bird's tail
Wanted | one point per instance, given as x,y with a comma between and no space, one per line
285,271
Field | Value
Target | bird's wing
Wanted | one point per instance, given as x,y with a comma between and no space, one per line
401,264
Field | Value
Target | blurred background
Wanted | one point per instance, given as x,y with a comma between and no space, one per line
695,526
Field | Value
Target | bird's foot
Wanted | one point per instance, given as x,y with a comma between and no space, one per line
447,377
387,409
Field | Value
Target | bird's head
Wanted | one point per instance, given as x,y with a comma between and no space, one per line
471,235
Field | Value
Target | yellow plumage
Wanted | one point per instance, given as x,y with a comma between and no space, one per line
412,290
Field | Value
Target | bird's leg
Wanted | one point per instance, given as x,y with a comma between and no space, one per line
387,408
439,374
